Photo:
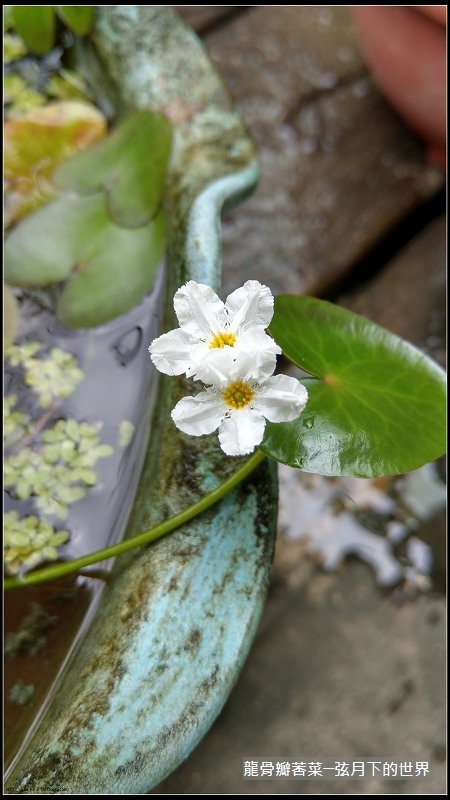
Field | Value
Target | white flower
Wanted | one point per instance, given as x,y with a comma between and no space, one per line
210,330
239,406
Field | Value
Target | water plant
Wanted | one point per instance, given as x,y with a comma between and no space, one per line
370,404
211,165
100,213
51,465
37,24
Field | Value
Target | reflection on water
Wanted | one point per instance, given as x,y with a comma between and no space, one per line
44,623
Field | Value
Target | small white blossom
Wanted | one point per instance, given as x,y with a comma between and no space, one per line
210,330
238,405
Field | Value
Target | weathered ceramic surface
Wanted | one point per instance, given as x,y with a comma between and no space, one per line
176,622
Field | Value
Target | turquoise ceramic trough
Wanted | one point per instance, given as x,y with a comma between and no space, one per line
175,624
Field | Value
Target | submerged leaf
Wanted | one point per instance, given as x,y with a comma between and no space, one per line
130,165
377,406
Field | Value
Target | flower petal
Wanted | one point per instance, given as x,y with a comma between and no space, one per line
200,414
260,352
280,398
253,358
200,311
171,352
215,366
241,432
251,304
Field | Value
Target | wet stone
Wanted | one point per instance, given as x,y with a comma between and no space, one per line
339,169
408,296
200,18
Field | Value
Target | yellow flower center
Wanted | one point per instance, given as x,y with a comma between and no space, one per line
238,395
221,339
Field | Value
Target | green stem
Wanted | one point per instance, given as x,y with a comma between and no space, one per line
151,535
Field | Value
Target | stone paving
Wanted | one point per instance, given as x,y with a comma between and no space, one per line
341,667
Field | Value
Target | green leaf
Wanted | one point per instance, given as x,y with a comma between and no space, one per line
36,26
36,143
377,406
112,267
46,246
115,277
8,17
78,18
130,165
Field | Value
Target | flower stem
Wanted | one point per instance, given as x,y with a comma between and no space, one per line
151,535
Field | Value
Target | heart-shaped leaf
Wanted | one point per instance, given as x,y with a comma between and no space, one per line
130,165
35,143
36,26
378,405
78,18
116,278
112,267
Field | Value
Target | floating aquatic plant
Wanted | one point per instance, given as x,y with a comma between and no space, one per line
36,143
28,541
107,243
19,97
37,24
15,423
51,465
51,378
58,470
34,76
126,432
13,47
61,471
129,167
374,404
